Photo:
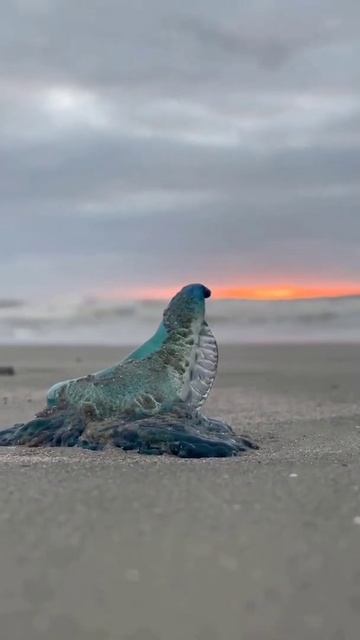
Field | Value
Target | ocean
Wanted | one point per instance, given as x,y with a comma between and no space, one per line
95,321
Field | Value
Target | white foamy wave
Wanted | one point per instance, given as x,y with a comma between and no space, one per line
93,321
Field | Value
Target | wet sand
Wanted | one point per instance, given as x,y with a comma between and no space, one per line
114,546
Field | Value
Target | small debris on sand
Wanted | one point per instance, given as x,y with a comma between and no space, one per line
7,371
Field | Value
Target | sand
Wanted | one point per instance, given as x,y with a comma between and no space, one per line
114,546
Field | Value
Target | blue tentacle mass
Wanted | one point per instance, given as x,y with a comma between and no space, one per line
149,402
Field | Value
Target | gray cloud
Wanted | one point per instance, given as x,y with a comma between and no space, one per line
156,143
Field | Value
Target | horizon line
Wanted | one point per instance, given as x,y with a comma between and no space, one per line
256,293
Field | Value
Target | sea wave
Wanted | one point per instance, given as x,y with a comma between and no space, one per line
95,321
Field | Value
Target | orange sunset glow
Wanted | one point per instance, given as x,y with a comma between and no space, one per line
237,292
282,292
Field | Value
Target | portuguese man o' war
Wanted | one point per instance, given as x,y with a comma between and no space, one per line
150,402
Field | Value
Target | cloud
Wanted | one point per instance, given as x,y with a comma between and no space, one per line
157,142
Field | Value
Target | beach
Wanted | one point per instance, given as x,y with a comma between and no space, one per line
118,546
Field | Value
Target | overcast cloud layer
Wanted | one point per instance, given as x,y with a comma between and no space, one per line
159,142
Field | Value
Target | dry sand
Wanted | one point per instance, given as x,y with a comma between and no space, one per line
114,546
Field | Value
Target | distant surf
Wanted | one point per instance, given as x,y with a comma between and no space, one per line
96,321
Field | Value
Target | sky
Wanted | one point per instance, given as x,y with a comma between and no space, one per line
145,145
